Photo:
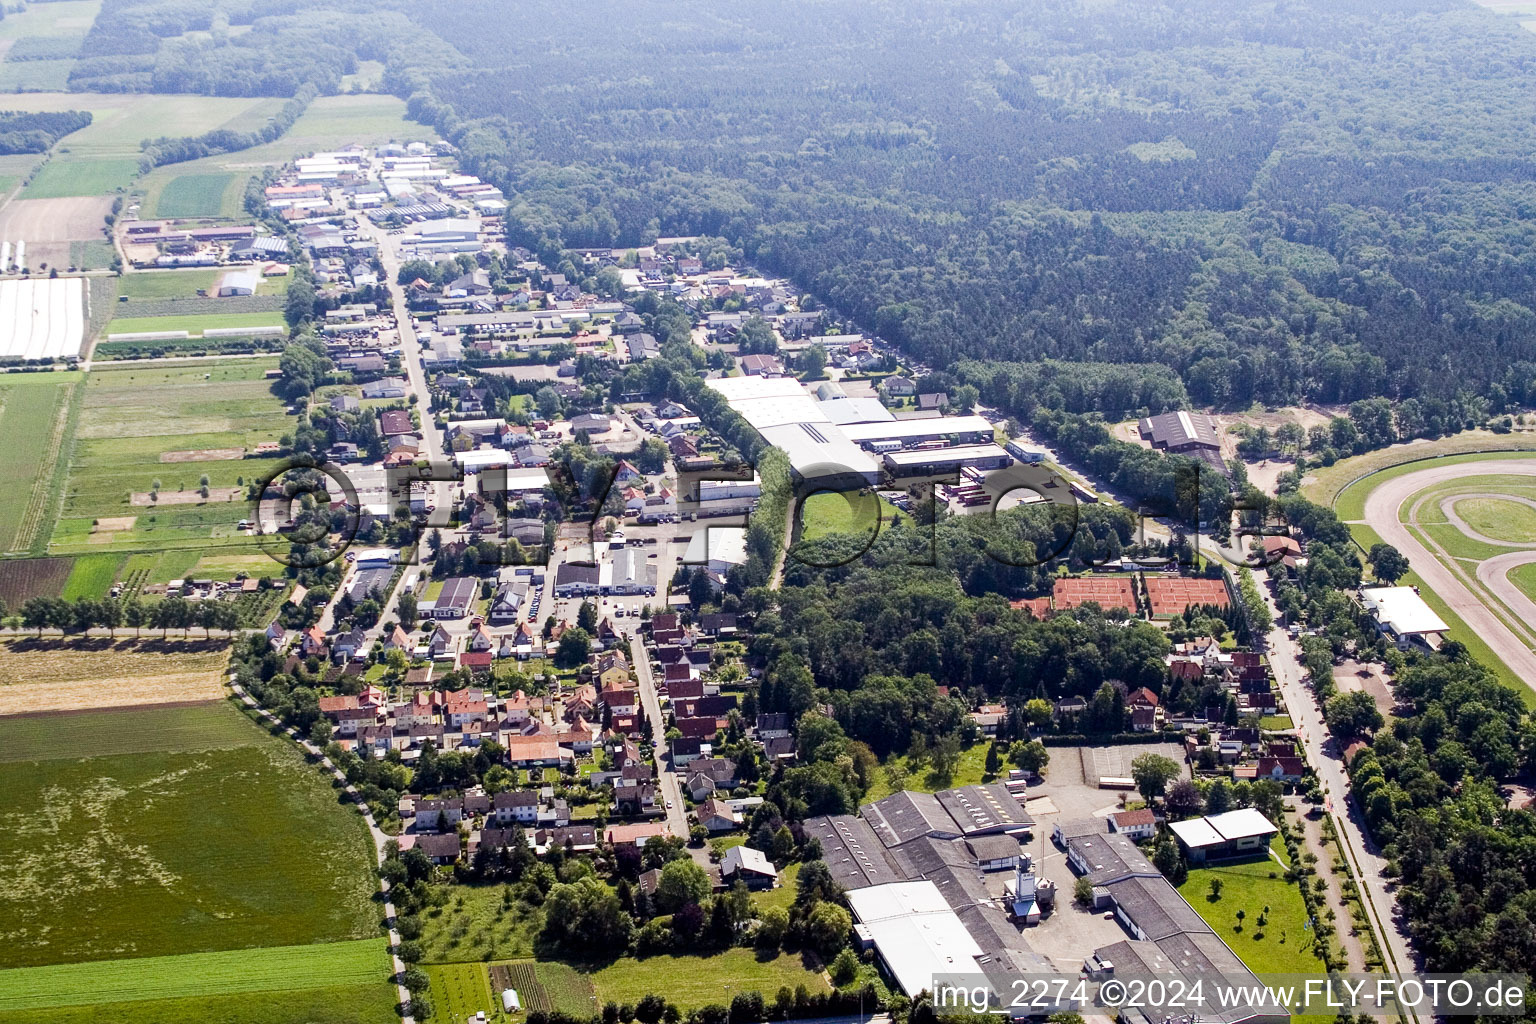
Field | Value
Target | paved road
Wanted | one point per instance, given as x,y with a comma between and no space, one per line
1382,511
1326,757
420,397
380,839
667,782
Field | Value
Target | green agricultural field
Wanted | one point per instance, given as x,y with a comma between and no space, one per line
65,176
336,1004
173,850
546,985
96,254
213,726
1282,944
104,156
14,167
459,991
694,981
140,425
330,122
50,19
92,576
165,284
192,323
35,419
229,972
35,75
194,195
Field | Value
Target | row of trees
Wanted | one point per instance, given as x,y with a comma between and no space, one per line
77,616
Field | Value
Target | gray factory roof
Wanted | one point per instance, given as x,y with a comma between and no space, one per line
853,853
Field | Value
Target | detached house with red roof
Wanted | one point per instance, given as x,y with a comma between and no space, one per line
1146,711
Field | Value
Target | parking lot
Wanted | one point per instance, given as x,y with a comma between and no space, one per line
1069,933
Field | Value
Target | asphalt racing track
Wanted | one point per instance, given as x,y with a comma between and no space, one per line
1509,633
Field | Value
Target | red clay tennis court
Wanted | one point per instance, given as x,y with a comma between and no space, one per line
1170,596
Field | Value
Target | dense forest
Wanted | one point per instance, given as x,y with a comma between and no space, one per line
1279,202
35,132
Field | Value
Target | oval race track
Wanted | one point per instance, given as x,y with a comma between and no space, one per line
1383,507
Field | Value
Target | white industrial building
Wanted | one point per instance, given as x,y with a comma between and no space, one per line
240,282
916,934
1233,834
1403,615
960,429
718,548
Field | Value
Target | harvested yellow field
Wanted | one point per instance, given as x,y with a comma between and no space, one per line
49,674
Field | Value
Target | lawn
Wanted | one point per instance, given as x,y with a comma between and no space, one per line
175,850
192,323
1499,519
194,195
35,417
92,576
1524,577
694,981
969,770
851,512
282,968
784,896
1283,944
167,423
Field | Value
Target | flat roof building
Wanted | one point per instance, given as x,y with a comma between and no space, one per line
916,934
1402,614
959,429
920,462
1233,834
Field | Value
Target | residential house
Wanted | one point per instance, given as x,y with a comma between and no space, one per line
750,867
516,806
1146,711
716,817
612,669
440,848
438,814
1138,824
